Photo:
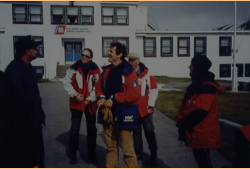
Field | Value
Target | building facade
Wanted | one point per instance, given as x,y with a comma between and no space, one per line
67,27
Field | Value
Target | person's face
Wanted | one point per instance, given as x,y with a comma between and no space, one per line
134,62
191,68
113,57
86,57
32,53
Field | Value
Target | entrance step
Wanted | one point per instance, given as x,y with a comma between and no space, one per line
61,70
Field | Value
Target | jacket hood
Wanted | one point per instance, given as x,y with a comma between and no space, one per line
143,69
209,78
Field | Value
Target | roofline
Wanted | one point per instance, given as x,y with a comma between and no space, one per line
144,33
120,2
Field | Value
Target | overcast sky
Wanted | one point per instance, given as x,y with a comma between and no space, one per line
196,15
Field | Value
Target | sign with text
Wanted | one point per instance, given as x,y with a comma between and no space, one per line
72,30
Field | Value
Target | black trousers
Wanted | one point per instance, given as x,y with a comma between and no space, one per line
202,157
148,127
76,117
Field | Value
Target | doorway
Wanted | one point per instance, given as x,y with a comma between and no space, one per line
73,51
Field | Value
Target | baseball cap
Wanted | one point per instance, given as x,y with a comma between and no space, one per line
133,55
27,42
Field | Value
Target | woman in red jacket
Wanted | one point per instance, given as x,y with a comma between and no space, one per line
197,119
79,82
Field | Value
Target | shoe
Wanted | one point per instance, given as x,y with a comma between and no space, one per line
73,158
92,158
139,156
154,159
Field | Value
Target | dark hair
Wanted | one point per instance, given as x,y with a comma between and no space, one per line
90,51
120,48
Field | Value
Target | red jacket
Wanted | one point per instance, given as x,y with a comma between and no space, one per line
206,134
76,83
149,91
127,97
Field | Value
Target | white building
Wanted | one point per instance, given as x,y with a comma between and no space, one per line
67,27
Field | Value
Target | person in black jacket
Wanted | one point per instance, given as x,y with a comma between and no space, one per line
29,137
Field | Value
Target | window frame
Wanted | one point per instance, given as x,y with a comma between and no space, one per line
27,14
39,55
63,15
245,69
114,16
154,46
204,46
171,46
115,40
92,16
220,46
39,75
238,65
230,70
185,47
76,16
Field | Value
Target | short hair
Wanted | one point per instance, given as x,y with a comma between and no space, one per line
89,50
120,48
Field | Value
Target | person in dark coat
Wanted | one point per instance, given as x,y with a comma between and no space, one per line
198,115
22,75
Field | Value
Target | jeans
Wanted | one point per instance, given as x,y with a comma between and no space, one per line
76,117
112,137
202,157
148,127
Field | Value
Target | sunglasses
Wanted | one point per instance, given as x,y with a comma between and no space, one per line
87,56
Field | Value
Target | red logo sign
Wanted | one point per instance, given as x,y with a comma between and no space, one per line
60,29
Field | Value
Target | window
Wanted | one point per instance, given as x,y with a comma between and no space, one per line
115,16
72,15
149,47
106,41
184,46
87,15
225,46
247,70
27,14
200,45
39,71
37,39
240,70
57,13
225,70
166,47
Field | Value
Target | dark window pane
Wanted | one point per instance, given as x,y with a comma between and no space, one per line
225,70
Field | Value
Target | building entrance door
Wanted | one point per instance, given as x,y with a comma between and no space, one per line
72,51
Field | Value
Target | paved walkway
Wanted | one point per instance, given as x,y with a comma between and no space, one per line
171,153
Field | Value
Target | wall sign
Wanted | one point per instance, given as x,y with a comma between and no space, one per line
71,30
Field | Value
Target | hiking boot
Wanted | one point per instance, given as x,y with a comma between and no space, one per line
73,158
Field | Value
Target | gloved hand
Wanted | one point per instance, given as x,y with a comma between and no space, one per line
182,134
108,116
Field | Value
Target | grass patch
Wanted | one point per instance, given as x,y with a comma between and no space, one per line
43,80
171,79
232,106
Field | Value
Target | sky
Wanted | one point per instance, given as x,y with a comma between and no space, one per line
197,15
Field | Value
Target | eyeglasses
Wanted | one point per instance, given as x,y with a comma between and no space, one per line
87,56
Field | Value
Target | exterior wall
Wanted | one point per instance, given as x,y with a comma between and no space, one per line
54,51
178,66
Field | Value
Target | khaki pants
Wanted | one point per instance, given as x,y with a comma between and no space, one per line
112,136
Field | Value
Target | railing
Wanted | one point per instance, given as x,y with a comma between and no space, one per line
153,23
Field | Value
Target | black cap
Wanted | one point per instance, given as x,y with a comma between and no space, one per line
26,42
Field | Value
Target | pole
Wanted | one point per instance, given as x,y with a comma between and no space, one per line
234,81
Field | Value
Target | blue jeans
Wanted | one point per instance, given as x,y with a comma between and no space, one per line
148,127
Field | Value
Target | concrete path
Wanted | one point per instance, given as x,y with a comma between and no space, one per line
171,153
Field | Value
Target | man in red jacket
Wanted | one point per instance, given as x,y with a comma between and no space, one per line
149,93
198,116
118,89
